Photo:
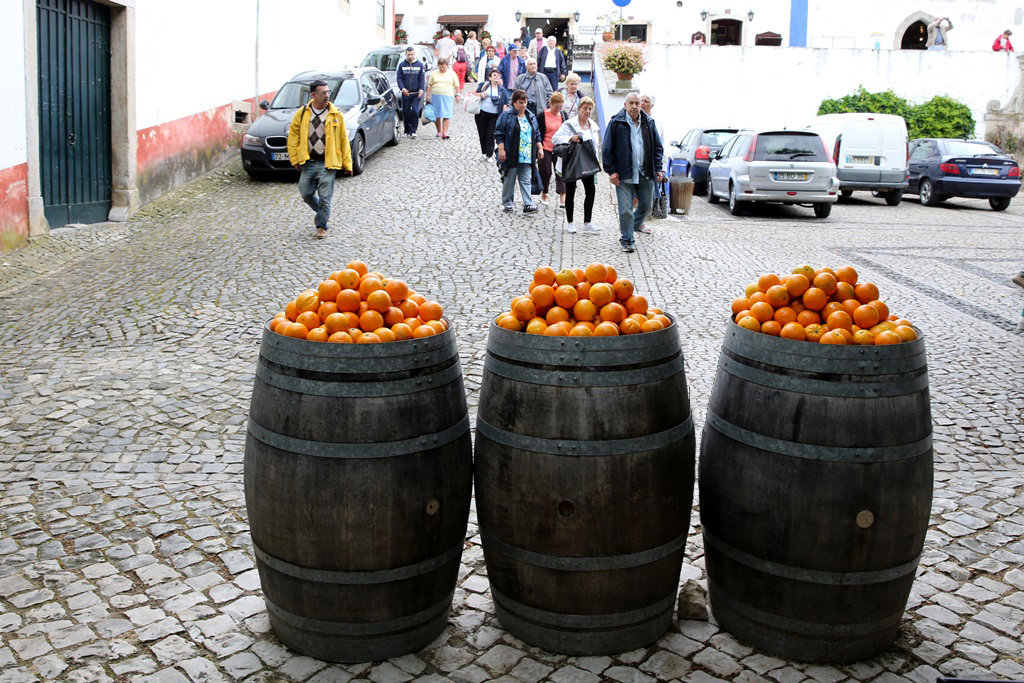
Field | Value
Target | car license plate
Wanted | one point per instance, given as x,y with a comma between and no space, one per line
279,156
786,175
984,171
861,160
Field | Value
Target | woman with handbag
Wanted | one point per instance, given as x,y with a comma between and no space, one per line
549,121
582,131
490,99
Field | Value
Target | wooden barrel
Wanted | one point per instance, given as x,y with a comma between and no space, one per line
584,484
815,491
358,477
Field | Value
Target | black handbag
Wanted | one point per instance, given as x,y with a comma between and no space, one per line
580,161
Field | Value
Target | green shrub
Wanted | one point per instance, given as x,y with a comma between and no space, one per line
940,117
624,59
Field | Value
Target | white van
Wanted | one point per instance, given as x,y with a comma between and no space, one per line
869,151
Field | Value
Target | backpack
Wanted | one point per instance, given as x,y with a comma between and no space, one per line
461,55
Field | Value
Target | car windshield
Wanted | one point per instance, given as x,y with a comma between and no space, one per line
778,147
295,94
716,138
962,148
385,61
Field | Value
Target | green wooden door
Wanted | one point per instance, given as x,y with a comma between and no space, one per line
74,110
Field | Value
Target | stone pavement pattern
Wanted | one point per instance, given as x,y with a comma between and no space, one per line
127,366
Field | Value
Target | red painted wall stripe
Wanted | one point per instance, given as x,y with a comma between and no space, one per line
13,206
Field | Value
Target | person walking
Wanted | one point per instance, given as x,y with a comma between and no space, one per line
473,50
580,129
411,78
632,156
571,92
318,148
493,100
533,47
443,92
659,199
1002,43
937,33
445,46
519,148
538,88
499,49
488,60
551,62
511,66
549,122
460,62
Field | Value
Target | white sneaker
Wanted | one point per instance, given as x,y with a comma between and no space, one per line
543,201
570,228
590,227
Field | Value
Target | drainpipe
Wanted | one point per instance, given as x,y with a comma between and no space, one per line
256,69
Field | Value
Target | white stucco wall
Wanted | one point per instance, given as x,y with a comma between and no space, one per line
782,87
12,84
185,65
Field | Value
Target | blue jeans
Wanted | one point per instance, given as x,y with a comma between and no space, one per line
316,185
629,217
411,113
524,174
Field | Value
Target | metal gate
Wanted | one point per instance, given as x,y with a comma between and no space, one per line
74,110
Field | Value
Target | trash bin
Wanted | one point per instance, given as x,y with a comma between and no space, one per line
680,186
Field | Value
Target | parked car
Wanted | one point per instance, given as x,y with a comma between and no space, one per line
780,166
869,151
365,99
695,149
387,57
940,168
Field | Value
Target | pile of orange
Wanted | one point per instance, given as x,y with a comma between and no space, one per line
581,302
356,305
824,305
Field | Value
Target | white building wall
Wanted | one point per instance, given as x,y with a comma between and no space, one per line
12,83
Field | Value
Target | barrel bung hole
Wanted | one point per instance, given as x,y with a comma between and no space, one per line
433,505
566,508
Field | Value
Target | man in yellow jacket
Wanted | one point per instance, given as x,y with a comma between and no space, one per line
318,147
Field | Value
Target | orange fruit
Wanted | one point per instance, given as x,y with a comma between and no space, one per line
397,290
866,292
830,308
847,274
887,337
326,308
613,312
756,296
784,315
290,311
596,272
378,300
351,320
545,275
766,281
839,319
606,329
631,326
385,334
750,289
750,322
438,325
328,290
847,334
370,320
814,332
739,305
906,333
340,337
771,327
581,331
510,322
566,277
336,322
833,337
409,308
826,282
402,331
776,296
808,317
663,319
866,315
430,310
814,299
584,309
583,289
566,296
844,291
355,333
556,314
883,310
418,298
636,304
524,309
864,338
296,330
308,318
560,329
623,289
793,330
601,293
806,271
850,305
581,275
762,311
348,300
613,275
797,305
652,325
358,266
348,278
309,300
427,331
543,295
368,285
536,326
797,284
393,316
368,338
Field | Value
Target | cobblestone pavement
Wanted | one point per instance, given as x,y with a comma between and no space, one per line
128,360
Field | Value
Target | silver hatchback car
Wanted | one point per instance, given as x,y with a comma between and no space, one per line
781,166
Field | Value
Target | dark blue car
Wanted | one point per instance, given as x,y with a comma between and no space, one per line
940,168
694,152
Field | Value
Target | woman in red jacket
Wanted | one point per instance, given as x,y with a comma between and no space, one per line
1003,43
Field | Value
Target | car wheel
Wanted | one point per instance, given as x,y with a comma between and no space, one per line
927,192
396,133
255,175
845,194
358,154
999,203
735,206
822,210
712,199
894,197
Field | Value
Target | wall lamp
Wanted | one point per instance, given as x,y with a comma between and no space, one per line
750,15
703,15
576,16
519,16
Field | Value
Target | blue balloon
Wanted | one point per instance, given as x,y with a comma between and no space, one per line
620,3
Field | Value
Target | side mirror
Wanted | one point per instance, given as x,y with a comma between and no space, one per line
373,99
714,155
674,143
265,105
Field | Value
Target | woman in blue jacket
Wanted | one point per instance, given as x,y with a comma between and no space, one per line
519,146
493,100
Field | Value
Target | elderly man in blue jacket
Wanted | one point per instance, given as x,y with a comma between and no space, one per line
512,65
411,79
551,63
632,157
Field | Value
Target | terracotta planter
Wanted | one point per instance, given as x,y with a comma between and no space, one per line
624,77
607,36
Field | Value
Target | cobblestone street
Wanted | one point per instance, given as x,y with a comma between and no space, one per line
128,359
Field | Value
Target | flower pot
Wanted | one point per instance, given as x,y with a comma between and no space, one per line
624,76
607,36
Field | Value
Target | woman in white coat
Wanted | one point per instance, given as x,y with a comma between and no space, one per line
580,129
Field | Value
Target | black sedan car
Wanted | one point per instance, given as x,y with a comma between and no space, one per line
940,168
365,99
695,149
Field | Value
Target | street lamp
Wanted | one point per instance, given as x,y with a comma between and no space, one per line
703,15
576,16
750,15
519,15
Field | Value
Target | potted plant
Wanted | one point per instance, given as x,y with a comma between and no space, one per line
401,36
625,60
484,34
438,34
610,22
